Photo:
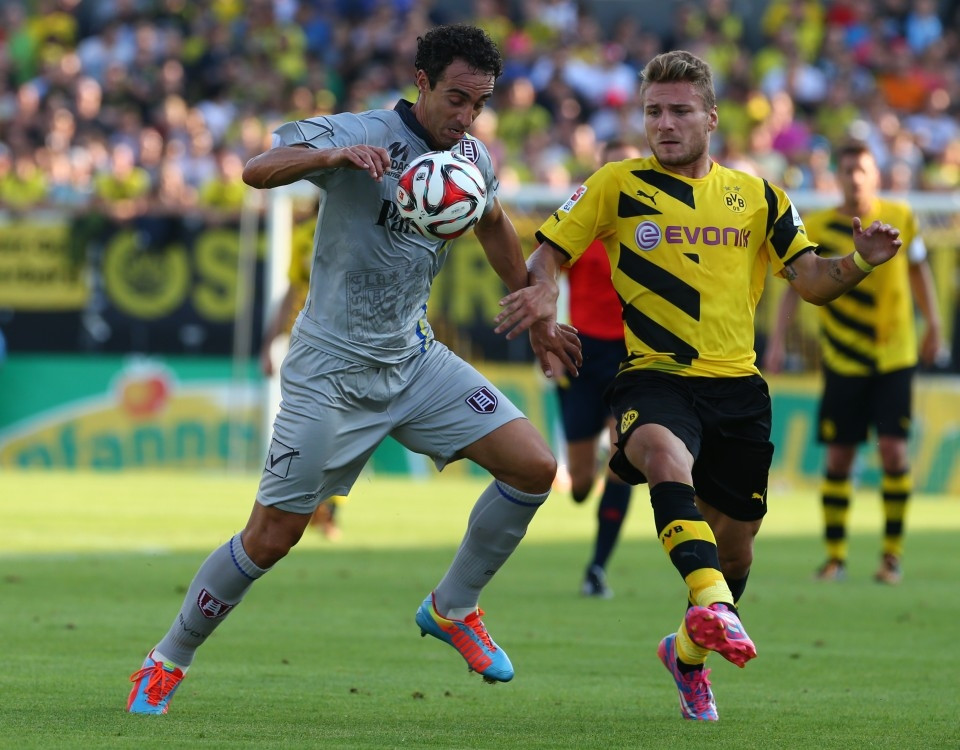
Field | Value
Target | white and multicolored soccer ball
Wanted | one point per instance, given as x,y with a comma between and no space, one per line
442,193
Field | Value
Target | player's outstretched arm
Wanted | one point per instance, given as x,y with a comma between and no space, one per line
820,280
501,244
534,309
284,165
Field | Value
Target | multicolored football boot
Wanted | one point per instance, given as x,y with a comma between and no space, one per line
468,636
889,571
696,698
718,628
153,686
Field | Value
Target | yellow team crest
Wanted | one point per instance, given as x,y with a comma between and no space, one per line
733,200
828,429
628,418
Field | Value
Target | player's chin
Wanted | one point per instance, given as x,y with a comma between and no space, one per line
672,157
450,138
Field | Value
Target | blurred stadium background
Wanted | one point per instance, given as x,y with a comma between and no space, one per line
136,271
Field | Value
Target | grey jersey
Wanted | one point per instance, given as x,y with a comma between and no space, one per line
371,273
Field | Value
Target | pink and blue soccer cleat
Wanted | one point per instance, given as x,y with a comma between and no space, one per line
718,628
696,698
470,638
153,686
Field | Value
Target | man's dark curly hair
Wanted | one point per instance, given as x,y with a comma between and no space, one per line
442,45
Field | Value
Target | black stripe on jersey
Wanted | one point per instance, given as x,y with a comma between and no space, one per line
695,257
784,231
850,353
771,198
655,336
629,207
846,321
862,296
841,227
661,282
676,189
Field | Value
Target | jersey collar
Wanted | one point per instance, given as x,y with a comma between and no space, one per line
405,110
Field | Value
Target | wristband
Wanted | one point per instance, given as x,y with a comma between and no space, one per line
860,263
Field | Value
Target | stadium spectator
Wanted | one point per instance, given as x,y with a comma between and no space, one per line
348,364
227,64
122,189
596,314
869,354
24,186
693,411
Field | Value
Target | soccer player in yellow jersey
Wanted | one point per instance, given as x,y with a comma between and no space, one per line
689,243
869,352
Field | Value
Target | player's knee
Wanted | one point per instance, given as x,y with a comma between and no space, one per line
581,481
268,543
736,565
537,474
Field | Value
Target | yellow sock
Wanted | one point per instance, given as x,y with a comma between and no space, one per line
687,651
836,493
895,489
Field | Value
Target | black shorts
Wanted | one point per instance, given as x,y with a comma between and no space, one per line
724,422
583,410
851,404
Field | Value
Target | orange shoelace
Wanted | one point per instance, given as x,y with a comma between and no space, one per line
476,625
159,681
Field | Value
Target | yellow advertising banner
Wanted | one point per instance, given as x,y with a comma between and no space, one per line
38,270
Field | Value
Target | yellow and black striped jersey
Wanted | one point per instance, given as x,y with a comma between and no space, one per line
688,256
869,329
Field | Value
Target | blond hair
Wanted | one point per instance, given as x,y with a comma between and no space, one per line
680,66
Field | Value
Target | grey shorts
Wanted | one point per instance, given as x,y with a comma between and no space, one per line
334,413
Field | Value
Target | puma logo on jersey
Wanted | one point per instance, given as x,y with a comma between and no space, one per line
651,198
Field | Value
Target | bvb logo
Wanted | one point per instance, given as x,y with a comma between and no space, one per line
828,429
733,200
145,284
628,419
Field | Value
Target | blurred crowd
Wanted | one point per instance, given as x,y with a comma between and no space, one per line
134,106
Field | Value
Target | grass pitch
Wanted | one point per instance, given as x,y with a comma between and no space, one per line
323,651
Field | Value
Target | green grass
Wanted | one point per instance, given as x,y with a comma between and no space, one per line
324,653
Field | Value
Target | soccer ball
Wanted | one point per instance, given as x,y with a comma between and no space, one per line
442,193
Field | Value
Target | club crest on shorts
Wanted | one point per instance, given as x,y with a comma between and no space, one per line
210,606
628,418
482,401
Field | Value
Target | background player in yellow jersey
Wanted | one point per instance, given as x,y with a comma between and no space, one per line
689,243
869,352
278,326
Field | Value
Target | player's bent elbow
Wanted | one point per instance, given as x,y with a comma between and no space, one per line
814,297
251,178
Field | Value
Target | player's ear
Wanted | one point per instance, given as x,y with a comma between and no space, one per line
423,81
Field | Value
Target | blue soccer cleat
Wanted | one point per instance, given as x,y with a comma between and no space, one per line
470,638
696,698
153,686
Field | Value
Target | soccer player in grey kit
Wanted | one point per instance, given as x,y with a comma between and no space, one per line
363,363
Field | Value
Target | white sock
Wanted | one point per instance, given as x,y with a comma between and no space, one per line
459,613
157,656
